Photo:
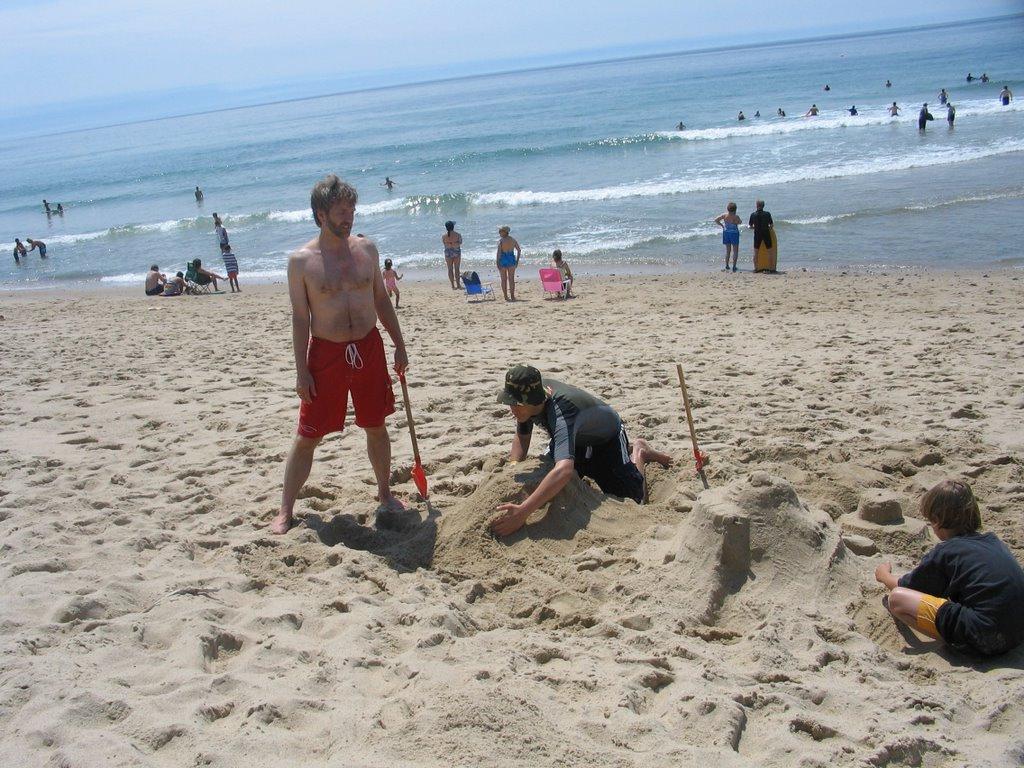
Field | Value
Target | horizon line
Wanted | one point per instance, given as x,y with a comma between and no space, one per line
542,68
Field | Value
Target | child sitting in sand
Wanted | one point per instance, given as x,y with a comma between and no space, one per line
968,590
391,278
563,267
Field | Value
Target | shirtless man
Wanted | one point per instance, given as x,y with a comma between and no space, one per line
337,295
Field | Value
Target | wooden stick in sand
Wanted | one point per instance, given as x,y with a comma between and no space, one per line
700,458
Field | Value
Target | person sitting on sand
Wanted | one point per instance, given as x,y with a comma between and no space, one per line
210,276
155,280
968,591
391,278
563,268
175,286
587,437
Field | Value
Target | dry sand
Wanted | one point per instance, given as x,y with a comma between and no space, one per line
149,619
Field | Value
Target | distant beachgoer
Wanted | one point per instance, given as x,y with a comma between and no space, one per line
338,349
210,276
852,110
231,267
894,111
680,127
19,250
508,255
46,207
730,224
813,111
587,438
888,84
155,280
984,77
1005,95
828,87
199,194
758,113
923,117
37,244
943,96
761,222
391,277
563,267
175,286
950,114
452,242
741,117
222,234
969,589
780,113
389,183
970,78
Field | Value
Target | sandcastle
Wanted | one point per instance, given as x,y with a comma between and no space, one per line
879,519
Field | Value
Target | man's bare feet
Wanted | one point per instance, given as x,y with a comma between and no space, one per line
281,523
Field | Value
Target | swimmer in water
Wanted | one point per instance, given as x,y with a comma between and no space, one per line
813,111
950,114
828,87
680,127
943,96
894,111
923,117
1006,96
780,113
888,83
970,78
741,116
852,110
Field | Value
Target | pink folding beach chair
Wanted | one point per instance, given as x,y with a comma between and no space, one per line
551,281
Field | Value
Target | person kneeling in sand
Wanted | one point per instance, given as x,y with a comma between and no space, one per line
969,589
175,286
587,437
337,295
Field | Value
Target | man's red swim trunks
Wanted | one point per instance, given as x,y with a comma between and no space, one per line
340,367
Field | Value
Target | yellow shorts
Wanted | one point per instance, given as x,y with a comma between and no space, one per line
927,610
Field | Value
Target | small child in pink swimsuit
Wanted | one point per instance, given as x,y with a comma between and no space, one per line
391,278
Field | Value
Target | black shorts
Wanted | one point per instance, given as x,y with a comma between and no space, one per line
765,238
156,290
610,466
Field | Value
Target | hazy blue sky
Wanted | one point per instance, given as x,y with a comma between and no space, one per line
124,59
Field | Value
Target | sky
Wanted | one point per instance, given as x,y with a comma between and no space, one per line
68,63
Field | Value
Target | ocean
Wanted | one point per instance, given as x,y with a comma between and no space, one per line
584,158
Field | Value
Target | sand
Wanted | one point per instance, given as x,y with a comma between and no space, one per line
148,619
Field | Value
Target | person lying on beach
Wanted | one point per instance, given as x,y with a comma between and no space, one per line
391,278
210,276
155,280
337,296
968,591
587,437
563,267
175,286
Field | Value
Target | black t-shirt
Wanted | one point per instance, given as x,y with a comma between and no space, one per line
984,585
574,419
761,221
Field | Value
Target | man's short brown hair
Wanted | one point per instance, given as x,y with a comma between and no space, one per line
329,190
952,505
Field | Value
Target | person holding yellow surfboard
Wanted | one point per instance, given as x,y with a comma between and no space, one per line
764,239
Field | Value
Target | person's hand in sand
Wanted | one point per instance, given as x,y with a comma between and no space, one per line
883,575
587,438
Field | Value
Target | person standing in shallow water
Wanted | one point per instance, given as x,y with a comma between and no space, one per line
923,117
337,295
730,224
507,261
452,242
763,226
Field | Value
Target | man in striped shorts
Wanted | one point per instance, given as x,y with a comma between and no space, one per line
587,437
230,266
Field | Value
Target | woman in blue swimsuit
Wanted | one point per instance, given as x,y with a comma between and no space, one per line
507,260
730,224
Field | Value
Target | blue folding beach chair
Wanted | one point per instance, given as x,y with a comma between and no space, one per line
473,286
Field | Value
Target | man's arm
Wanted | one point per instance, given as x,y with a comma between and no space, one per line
514,516
520,446
304,384
386,313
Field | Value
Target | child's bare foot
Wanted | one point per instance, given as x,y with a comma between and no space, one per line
647,454
281,523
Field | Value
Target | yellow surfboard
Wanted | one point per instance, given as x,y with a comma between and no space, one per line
767,259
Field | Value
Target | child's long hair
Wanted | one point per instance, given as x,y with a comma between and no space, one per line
952,505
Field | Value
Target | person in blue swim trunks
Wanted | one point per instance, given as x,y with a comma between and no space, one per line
730,224
507,261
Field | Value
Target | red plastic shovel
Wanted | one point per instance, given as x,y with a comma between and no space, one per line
418,475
